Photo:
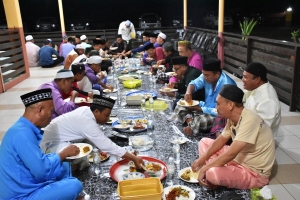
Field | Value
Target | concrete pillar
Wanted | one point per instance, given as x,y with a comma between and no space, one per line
184,14
220,32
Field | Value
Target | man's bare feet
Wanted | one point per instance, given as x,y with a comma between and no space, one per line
187,130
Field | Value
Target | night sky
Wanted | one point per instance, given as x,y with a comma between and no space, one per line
112,12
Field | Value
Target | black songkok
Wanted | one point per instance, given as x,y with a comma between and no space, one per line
180,60
211,64
149,46
102,101
95,41
153,35
232,93
257,69
146,34
36,96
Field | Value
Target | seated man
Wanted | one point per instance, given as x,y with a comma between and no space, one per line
46,52
32,51
212,79
84,41
194,59
62,84
78,70
66,48
248,161
92,70
121,44
154,54
83,124
260,96
186,74
160,40
146,41
25,171
170,53
75,56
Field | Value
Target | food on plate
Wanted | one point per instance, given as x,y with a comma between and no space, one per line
138,125
106,90
143,121
86,149
153,167
177,192
138,141
166,89
103,156
147,96
184,103
124,71
124,121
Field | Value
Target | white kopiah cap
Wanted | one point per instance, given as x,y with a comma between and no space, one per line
83,37
94,60
162,35
64,73
79,46
28,37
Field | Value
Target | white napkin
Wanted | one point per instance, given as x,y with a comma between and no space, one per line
266,192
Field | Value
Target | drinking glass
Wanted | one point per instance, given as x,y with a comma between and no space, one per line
143,104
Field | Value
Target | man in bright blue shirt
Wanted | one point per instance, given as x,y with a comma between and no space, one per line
212,79
67,47
25,171
46,53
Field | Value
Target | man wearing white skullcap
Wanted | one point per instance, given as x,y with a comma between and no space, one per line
125,29
62,83
32,51
75,56
92,67
160,40
84,41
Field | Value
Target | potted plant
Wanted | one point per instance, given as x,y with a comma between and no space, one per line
247,27
295,36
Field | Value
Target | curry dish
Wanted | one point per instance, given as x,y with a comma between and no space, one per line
153,167
177,192
86,149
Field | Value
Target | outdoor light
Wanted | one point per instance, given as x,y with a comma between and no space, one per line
289,9
87,24
38,26
53,25
72,24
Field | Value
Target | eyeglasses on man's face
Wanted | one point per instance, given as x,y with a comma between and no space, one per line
176,69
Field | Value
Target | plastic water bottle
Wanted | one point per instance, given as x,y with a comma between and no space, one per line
150,123
176,151
151,103
171,171
97,161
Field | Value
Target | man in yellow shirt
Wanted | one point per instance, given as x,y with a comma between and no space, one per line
248,161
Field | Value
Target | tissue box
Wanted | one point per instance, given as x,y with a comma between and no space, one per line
140,189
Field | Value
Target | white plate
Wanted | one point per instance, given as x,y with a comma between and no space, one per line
145,143
121,127
192,194
133,175
113,48
171,90
77,100
195,103
109,91
192,179
81,154
140,72
113,119
179,140
171,73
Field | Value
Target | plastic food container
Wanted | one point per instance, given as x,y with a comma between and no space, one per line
140,189
134,100
157,105
132,83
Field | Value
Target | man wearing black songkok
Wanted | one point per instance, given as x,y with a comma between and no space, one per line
83,125
248,161
121,46
260,95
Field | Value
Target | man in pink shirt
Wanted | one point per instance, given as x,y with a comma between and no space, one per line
194,59
154,54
